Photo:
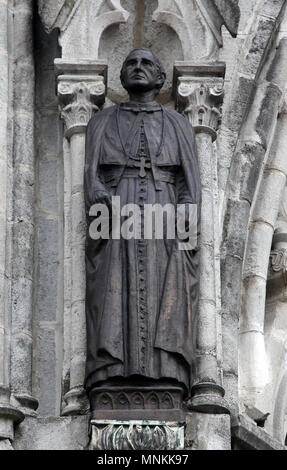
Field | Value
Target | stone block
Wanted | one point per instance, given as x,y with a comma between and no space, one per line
267,113
48,269
52,434
207,431
48,186
239,103
230,328
46,372
23,152
21,358
258,47
24,86
23,256
231,270
24,37
235,230
23,194
272,8
22,295
206,268
79,326
3,21
50,142
251,157
50,9
230,384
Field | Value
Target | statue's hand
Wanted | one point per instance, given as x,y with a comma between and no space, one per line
103,197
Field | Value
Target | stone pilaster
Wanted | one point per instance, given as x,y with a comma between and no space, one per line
81,91
199,95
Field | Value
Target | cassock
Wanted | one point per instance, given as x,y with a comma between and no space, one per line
141,297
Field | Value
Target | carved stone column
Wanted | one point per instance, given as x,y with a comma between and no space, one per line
199,95
81,90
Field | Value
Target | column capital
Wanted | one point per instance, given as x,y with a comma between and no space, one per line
198,91
81,87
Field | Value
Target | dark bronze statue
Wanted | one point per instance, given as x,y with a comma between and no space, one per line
141,296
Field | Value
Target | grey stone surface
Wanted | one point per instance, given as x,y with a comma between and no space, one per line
207,432
5,444
49,184
273,7
251,157
46,377
24,134
247,436
52,434
50,9
259,43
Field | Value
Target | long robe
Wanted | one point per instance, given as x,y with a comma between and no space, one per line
141,297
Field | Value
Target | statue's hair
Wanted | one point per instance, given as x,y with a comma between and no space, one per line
159,65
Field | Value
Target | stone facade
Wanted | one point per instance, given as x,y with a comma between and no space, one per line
226,71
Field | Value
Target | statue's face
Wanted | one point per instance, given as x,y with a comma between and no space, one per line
140,72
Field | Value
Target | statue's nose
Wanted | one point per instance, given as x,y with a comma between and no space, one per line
138,65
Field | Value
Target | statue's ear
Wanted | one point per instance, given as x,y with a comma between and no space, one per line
161,79
122,78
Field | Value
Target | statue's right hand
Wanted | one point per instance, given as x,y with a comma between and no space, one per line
103,197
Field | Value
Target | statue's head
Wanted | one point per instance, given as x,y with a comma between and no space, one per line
142,71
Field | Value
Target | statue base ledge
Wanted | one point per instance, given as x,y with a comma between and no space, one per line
136,435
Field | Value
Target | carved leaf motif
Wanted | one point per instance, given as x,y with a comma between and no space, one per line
136,437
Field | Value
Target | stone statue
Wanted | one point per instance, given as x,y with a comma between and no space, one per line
141,296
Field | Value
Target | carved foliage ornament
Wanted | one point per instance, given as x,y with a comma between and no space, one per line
136,436
201,102
78,99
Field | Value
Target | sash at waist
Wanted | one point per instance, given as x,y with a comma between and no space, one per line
112,175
